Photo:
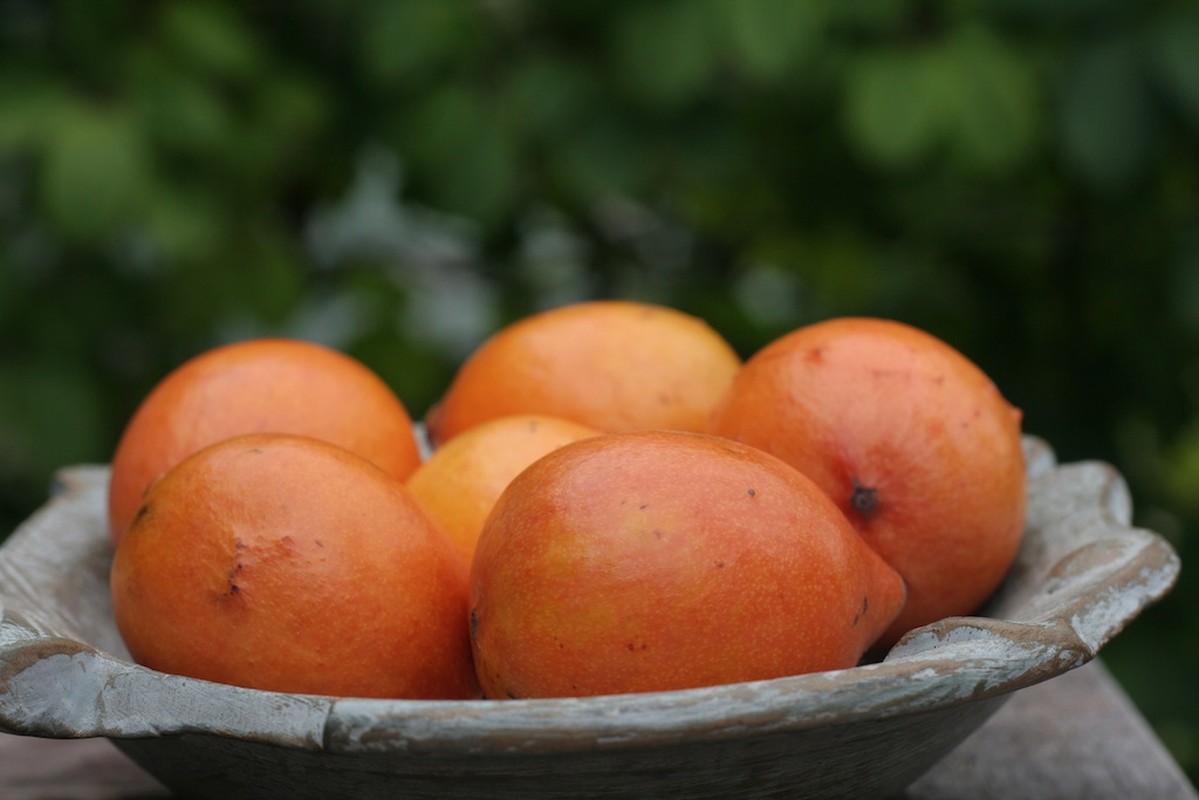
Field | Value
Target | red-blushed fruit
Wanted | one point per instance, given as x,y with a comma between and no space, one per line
255,386
281,562
658,560
912,441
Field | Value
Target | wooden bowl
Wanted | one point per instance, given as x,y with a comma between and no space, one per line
867,732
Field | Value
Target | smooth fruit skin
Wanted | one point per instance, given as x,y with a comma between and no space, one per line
647,561
459,483
614,365
911,439
259,385
285,563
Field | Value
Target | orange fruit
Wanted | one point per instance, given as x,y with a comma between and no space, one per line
280,385
282,562
911,439
460,482
658,560
611,364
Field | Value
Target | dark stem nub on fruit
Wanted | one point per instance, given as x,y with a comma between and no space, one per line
864,499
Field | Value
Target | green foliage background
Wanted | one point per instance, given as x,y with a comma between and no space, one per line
399,178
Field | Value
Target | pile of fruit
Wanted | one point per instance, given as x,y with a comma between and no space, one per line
610,500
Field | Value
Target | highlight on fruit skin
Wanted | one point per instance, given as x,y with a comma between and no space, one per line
258,385
659,560
285,563
614,365
912,440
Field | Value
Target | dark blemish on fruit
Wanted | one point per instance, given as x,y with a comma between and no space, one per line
751,492
658,534
511,694
635,647
719,565
664,399
150,484
234,587
862,611
643,506
142,512
815,355
319,543
864,499
474,623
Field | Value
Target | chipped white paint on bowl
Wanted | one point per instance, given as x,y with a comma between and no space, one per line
1082,575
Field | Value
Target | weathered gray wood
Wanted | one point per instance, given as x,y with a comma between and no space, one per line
1075,737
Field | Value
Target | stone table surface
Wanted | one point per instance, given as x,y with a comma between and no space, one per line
1075,736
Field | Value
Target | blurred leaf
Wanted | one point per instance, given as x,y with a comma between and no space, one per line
767,37
970,93
50,415
458,137
275,284
27,108
870,15
210,38
666,51
993,104
600,161
254,273
843,271
186,222
483,182
549,94
1107,122
95,173
180,110
1184,282
407,39
1181,470
288,117
436,128
893,114
1175,57
12,291
1052,10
